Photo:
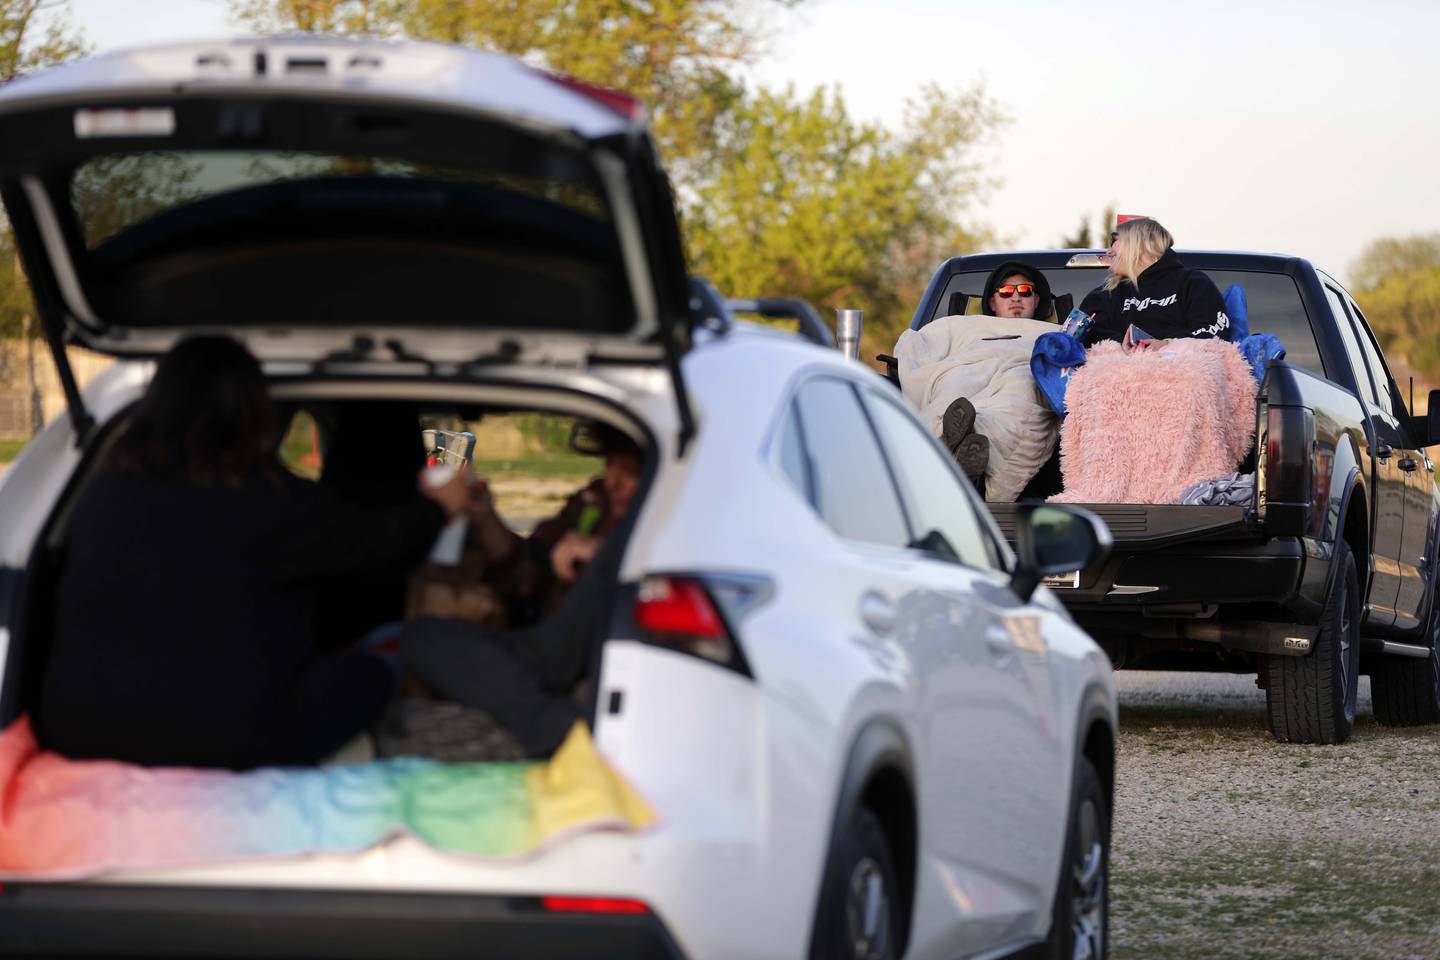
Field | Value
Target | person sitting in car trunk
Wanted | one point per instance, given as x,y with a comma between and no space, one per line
184,614
525,678
534,572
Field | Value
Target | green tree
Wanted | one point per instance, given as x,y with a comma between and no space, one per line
1397,284
35,34
1081,236
678,56
779,194
806,201
1388,257
1085,237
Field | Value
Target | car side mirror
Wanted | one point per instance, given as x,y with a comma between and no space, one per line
1051,540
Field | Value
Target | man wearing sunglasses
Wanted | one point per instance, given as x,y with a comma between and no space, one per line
1017,290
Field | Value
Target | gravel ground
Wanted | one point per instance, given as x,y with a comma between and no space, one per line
1228,844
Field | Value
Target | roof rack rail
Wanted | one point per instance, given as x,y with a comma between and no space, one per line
707,308
810,326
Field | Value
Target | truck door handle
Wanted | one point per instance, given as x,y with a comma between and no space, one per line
877,613
1383,451
1408,463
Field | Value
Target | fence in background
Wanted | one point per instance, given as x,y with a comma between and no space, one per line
17,394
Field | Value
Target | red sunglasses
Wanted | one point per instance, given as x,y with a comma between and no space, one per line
1009,289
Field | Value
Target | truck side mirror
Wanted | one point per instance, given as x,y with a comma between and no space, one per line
1051,540
1432,421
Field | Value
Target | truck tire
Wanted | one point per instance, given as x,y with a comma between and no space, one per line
1311,699
1406,690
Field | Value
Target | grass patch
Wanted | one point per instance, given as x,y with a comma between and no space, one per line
543,465
1278,900
10,449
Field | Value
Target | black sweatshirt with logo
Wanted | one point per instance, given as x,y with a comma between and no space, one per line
1170,300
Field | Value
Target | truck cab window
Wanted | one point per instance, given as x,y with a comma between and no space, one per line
1384,381
1364,378
1379,374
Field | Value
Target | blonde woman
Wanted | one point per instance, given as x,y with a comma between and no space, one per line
1150,289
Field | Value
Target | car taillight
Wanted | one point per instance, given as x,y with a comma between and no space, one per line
592,905
678,612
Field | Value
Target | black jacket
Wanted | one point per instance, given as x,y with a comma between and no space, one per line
183,624
1171,301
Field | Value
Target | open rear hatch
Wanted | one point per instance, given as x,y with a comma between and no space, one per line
330,200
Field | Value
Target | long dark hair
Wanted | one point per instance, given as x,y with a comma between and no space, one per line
206,418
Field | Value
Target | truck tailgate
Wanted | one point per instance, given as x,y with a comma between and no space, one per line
1143,526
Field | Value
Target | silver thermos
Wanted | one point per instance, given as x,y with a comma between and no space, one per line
847,332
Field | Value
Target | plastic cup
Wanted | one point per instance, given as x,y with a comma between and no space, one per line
450,544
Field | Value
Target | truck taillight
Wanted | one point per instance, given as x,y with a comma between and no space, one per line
1288,455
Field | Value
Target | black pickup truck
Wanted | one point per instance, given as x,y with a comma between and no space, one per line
1329,572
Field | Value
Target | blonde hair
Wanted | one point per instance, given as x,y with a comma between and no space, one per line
1138,244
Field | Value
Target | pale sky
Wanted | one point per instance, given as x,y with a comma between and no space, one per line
1306,127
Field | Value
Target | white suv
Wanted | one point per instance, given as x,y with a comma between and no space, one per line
866,727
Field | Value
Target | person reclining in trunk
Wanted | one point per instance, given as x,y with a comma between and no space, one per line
1014,290
525,678
184,612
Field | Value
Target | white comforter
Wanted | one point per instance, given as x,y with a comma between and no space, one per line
988,360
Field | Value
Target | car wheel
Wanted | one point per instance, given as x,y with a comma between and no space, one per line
859,916
1311,699
1406,690
1080,929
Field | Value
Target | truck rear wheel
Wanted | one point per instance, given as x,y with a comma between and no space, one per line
1406,690
1311,699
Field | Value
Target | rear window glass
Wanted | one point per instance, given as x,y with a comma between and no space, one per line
1272,299
111,194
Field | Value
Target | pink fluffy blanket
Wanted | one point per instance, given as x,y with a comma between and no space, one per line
1142,427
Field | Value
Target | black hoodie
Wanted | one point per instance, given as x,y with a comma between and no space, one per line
1170,300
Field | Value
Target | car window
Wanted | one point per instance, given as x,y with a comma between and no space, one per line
942,514
793,458
1363,380
1384,381
853,492
1273,304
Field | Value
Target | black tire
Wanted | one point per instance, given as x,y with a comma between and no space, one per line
1080,928
1406,690
859,913
1311,699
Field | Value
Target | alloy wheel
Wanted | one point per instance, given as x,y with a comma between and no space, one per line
1087,900
867,911
1349,660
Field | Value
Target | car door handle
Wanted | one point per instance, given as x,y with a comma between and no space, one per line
1383,451
1408,463
877,613
998,642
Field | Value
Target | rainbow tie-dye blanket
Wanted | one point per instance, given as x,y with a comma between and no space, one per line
66,819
